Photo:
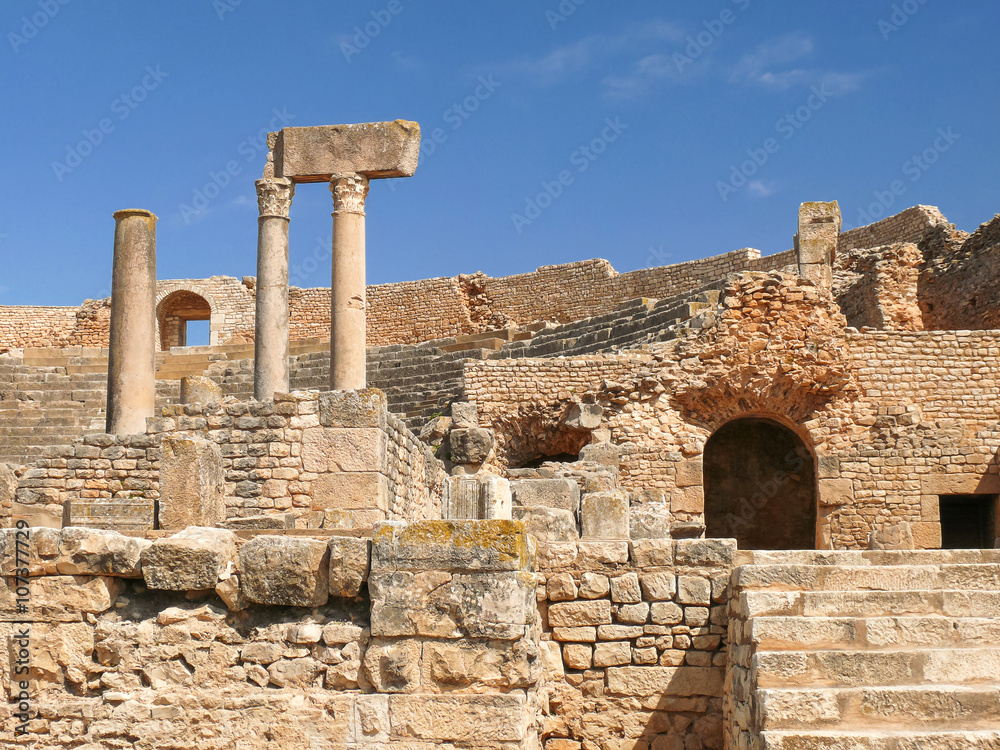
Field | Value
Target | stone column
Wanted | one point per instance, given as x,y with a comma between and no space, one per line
270,368
347,313
816,241
132,347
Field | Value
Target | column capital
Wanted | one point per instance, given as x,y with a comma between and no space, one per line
274,196
349,190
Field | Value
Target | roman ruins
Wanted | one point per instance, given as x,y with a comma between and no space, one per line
747,502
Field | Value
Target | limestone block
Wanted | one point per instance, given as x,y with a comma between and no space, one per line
471,445
688,500
339,633
604,515
674,681
897,535
653,553
364,408
464,415
8,491
62,598
350,560
633,614
828,467
452,545
711,553
338,449
436,604
230,592
393,666
259,523
612,654
548,524
452,664
435,430
926,535
649,519
294,673
360,490
578,656
96,552
546,493
40,515
690,473
580,614
289,571
560,588
481,720
625,589
191,483
197,389
835,492
594,585
477,498
374,149
960,484
606,454
192,560
585,634
659,587
584,416
694,590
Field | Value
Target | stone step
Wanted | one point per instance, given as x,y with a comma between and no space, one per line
839,633
988,739
946,602
979,577
892,708
912,667
868,557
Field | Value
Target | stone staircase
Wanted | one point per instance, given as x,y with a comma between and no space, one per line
866,650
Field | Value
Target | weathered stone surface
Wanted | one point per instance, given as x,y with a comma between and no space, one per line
191,560
659,586
896,535
464,415
393,666
338,449
96,552
563,494
191,483
548,524
359,490
291,571
262,522
61,598
374,149
350,560
676,681
584,416
8,491
197,389
459,718
560,588
577,614
353,409
604,515
471,445
625,589
452,545
650,519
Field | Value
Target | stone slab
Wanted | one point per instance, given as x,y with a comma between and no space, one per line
374,149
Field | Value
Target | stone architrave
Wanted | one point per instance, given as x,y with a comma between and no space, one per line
132,341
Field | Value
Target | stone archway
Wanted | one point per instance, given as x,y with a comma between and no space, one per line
760,486
173,313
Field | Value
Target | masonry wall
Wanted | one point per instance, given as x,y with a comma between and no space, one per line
911,225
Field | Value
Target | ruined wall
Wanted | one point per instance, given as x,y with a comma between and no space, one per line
892,418
635,642
57,327
911,225
879,287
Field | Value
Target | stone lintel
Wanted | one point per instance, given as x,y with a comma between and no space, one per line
374,149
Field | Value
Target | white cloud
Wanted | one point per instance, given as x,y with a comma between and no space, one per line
760,189
771,66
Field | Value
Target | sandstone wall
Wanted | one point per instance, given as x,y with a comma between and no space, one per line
911,225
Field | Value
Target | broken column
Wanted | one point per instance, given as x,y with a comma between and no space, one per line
347,157
816,241
348,337
270,372
132,345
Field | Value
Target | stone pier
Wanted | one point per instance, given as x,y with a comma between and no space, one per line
816,241
132,342
274,199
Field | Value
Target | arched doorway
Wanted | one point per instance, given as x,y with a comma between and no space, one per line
760,486
173,314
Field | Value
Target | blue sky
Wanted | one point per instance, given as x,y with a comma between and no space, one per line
644,132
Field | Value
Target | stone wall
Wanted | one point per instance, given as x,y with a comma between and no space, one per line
635,642
892,419
878,287
911,225
339,455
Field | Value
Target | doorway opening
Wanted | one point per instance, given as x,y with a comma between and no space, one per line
968,521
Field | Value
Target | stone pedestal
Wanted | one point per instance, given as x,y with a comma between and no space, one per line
347,314
132,345
274,199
